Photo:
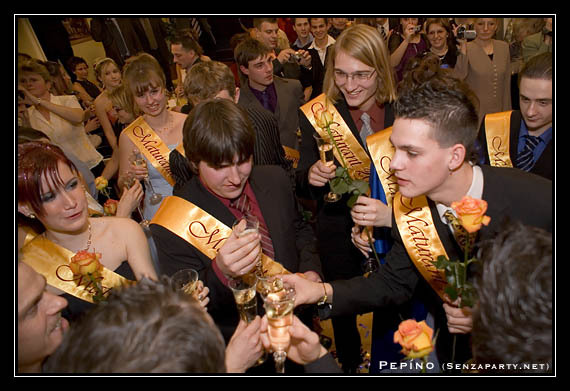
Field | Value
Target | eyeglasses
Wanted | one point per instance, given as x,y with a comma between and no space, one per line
340,76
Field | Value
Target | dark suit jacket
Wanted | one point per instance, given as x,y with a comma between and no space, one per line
289,99
543,166
293,239
132,31
334,222
510,193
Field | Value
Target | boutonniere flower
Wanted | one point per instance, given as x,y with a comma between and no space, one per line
86,269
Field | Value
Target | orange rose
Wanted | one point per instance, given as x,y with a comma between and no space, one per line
415,338
110,207
84,263
471,213
101,183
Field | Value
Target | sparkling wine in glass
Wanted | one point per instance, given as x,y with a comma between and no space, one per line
185,280
279,309
139,161
326,153
244,290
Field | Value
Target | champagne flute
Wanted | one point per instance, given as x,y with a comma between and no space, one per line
326,153
244,290
185,280
279,309
139,161
129,182
370,264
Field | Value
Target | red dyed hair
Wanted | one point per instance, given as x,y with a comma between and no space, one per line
36,160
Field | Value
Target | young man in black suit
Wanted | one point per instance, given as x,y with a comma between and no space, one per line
532,122
219,141
433,135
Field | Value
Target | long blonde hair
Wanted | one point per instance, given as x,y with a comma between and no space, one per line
365,44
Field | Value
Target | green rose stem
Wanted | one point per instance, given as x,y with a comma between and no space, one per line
349,182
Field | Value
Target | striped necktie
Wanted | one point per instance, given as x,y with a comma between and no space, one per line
525,161
461,235
366,129
242,205
195,25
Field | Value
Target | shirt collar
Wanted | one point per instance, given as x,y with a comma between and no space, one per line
475,191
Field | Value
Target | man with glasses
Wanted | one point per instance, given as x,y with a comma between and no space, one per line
359,91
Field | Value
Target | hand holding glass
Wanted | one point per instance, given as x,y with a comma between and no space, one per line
251,226
326,153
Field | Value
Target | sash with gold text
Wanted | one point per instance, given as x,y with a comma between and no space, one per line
151,146
381,150
497,132
352,152
201,230
420,237
52,261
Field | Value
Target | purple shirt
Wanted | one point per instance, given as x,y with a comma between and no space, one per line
267,98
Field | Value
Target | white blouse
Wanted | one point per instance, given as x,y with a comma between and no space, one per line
70,137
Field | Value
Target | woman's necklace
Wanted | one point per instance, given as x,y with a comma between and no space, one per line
440,53
169,124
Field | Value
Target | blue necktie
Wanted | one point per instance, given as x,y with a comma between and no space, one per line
525,161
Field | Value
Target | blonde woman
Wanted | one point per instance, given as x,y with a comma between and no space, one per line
485,64
109,75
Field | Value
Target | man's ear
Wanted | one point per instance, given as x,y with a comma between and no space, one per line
457,156
244,70
236,98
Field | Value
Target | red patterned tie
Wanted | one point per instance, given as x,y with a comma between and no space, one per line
242,204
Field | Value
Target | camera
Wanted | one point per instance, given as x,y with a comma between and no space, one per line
417,29
296,57
463,33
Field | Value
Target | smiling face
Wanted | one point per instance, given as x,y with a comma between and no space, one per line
420,164
536,104
227,181
437,36
358,91
151,101
40,325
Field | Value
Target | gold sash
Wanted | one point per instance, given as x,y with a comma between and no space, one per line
201,230
382,151
352,152
420,237
151,146
498,132
52,261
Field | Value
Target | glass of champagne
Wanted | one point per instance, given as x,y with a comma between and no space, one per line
326,153
279,309
251,226
185,280
138,160
244,290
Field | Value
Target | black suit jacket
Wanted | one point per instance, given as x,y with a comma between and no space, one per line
293,239
543,166
510,193
132,31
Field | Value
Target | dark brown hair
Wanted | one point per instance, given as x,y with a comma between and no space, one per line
216,131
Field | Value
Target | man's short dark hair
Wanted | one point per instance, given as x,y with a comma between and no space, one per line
446,103
150,327
538,67
512,322
188,41
216,131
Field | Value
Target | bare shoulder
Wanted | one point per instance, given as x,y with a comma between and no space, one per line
118,226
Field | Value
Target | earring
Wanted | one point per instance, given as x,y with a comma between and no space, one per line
32,216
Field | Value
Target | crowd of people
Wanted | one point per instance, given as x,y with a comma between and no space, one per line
186,143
